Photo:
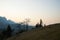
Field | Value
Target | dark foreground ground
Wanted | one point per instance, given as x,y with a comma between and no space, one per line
51,32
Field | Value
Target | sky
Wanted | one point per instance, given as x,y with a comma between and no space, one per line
19,10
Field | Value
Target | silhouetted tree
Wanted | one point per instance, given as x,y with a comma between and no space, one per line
37,25
26,22
40,25
8,31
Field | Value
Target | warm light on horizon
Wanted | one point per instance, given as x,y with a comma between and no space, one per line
19,10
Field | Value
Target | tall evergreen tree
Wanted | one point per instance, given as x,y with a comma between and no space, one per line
8,31
41,23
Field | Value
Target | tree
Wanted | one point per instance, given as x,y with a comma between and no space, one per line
37,25
26,23
8,31
41,23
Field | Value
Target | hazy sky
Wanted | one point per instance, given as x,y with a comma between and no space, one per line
18,10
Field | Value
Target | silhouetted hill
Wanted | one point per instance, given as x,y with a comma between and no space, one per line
16,27
11,22
50,32
3,23
56,24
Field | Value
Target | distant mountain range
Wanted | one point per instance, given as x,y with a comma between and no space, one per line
5,21
14,26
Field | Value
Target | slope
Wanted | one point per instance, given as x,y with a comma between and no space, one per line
51,32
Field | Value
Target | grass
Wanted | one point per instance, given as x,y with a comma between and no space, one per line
51,32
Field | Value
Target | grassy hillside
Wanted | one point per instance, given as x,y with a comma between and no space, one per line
51,32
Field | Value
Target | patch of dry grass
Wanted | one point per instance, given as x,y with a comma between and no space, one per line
51,32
